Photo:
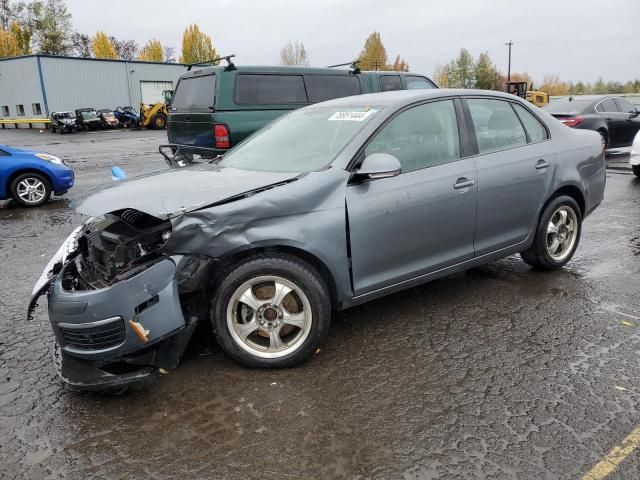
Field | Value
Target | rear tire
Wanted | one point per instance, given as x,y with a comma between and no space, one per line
605,138
636,170
271,311
557,235
30,189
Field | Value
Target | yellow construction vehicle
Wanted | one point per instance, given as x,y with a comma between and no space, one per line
154,115
521,89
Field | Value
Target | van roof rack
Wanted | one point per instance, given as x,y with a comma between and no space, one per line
353,65
230,64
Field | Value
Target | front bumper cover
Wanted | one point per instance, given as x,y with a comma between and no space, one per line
89,357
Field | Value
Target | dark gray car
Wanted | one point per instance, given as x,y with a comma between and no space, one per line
330,206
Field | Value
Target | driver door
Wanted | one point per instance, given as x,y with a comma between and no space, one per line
419,221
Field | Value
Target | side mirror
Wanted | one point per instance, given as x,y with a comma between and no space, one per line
379,165
634,114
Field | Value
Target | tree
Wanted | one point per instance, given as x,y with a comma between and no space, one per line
102,46
599,87
553,85
441,75
399,65
196,46
81,45
23,38
486,73
8,44
462,71
7,14
294,54
126,49
373,55
52,27
152,52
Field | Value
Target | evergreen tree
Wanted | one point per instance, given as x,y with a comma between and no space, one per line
373,55
486,73
52,27
462,71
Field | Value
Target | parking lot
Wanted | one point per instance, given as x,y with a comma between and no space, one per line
500,372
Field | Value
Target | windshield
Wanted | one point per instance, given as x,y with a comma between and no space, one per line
89,115
302,141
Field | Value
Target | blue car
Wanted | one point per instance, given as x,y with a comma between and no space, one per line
29,177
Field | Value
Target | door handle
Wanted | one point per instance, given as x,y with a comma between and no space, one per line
542,164
463,183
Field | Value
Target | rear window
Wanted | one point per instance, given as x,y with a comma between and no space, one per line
326,87
415,82
254,89
195,92
390,82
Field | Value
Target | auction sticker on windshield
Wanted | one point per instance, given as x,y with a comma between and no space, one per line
351,116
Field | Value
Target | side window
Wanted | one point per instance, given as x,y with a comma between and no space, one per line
599,108
535,130
253,89
420,137
4,154
195,92
5,110
389,82
609,105
20,110
496,125
415,82
326,87
625,106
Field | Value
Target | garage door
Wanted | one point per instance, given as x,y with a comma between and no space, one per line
151,92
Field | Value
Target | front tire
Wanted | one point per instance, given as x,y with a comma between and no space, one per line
557,235
159,121
271,311
30,189
636,170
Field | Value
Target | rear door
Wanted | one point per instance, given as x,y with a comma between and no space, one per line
423,219
615,119
632,123
515,168
191,111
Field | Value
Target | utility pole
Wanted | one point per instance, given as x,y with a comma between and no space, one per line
509,67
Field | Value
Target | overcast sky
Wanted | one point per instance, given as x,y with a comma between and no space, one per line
578,39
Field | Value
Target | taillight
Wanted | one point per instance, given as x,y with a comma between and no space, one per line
221,136
572,121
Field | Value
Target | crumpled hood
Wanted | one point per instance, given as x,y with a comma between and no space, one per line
168,193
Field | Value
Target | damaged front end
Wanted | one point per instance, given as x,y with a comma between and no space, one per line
119,305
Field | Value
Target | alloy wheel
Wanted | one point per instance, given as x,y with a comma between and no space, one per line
562,232
269,316
31,190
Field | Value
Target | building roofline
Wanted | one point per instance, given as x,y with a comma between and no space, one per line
41,55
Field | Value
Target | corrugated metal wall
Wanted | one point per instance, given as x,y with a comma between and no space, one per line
71,83
20,85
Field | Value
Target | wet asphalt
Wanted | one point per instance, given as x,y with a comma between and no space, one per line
499,372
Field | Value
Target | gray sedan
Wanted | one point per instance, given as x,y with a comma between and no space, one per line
330,206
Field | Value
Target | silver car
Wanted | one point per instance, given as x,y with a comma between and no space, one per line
328,207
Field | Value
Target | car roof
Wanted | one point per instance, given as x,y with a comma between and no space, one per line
399,98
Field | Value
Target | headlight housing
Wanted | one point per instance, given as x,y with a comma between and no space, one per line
50,158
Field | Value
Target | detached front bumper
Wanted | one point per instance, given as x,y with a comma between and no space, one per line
109,337
116,335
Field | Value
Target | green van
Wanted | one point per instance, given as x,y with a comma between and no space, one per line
216,107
